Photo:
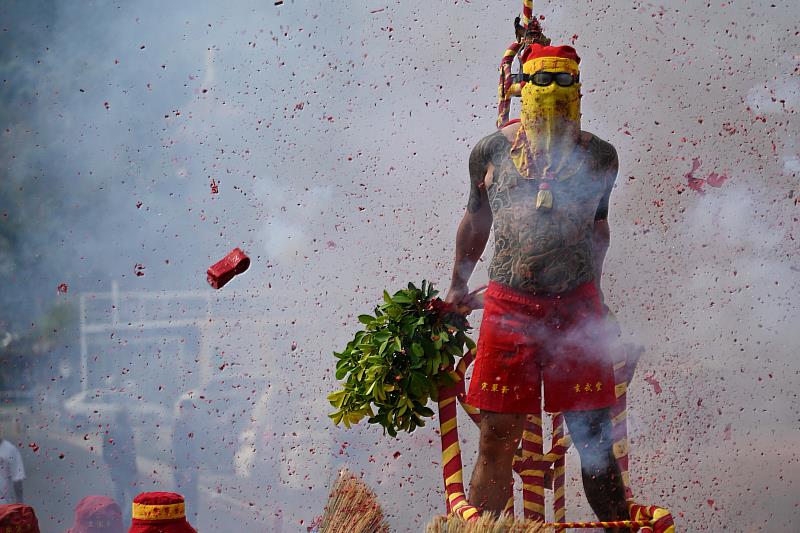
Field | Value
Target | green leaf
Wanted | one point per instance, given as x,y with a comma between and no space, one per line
366,319
332,397
402,298
417,350
435,394
381,336
424,411
417,384
383,347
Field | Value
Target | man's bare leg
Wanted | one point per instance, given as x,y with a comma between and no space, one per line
602,480
491,484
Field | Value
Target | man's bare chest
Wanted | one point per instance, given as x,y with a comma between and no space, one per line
508,191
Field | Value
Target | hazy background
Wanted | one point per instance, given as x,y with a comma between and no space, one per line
337,134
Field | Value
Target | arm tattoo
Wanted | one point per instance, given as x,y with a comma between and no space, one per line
488,150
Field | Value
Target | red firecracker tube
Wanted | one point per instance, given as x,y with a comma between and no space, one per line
231,265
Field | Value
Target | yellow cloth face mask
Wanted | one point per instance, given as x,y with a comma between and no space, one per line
551,124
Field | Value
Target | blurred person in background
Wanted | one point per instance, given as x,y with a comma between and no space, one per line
258,457
18,518
97,514
186,450
12,472
119,454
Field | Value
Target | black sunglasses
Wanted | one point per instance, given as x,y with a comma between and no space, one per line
543,79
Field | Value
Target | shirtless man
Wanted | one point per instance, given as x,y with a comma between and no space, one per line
544,185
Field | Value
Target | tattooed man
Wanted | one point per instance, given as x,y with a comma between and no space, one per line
543,185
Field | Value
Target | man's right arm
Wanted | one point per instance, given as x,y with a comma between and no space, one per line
473,231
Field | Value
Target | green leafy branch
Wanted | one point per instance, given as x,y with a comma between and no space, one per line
393,367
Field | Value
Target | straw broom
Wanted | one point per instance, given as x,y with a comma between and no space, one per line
485,524
352,508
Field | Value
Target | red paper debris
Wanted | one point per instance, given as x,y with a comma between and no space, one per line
716,180
654,383
726,433
138,269
696,164
696,184
62,288
214,187
224,270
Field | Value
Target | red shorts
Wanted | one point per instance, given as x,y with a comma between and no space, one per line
525,337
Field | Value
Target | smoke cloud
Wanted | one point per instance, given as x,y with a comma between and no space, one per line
143,141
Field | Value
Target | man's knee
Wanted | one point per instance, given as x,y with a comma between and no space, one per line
591,433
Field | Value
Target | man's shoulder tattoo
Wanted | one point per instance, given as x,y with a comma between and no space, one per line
490,149
487,150
604,155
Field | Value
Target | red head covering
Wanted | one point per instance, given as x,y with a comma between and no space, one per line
537,50
18,518
159,512
97,514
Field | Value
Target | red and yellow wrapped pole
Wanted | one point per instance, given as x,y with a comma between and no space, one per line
559,472
453,469
505,89
527,12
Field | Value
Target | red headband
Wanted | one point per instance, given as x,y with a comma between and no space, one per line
536,51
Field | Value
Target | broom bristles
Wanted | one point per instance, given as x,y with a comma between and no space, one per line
487,523
352,508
